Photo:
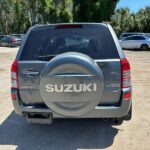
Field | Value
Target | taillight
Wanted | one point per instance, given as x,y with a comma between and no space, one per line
125,71
14,74
13,96
13,40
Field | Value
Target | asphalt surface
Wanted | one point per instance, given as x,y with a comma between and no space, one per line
78,134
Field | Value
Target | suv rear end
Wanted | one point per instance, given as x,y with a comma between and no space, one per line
71,71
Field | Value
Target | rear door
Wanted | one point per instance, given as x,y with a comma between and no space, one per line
43,44
129,42
139,41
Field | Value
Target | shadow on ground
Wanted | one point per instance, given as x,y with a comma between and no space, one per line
71,134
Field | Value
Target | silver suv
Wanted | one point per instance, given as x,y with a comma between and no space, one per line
71,71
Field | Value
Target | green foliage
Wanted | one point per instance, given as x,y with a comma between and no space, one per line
5,15
93,10
20,17
120,20
16,16
56,11
13,16
125,21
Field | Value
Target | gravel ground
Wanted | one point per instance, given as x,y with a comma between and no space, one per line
88,134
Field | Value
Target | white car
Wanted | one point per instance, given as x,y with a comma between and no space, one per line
136,42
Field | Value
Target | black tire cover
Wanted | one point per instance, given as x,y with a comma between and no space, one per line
71,84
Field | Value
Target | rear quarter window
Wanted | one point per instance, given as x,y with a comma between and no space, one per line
94,42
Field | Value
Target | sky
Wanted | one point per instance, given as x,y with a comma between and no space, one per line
133,5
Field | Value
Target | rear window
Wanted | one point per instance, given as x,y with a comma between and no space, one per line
126,35
94,42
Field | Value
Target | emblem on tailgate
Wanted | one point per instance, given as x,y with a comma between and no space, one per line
66,88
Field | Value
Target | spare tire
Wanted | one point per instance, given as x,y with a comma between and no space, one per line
71,84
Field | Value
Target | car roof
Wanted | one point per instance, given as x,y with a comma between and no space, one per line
133,33
3,35
137,35
15,34
52,26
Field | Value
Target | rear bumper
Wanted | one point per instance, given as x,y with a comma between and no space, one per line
98,112
16,44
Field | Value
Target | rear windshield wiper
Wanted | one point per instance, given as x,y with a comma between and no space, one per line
46,57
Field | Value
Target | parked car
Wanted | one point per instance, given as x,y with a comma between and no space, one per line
136,42
127,34
147,34
71,71
21,36
2,36
10,41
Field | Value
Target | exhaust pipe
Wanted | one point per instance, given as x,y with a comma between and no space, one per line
106,119
39,118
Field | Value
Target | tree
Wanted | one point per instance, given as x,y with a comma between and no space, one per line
125,21
120,20
16,16
13,16
32,11
93,10
144,19
20,16
52,11
5,15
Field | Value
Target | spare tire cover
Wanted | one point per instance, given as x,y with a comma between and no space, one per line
71,84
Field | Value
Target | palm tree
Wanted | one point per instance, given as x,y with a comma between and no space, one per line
120,20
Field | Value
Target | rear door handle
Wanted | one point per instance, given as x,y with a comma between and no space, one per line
30,73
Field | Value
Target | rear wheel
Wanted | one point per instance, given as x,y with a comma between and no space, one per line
119,121
9,44
144,47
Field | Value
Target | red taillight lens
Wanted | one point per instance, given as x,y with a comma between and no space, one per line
13,40
127,96
13,96
125,71
14,74
14,67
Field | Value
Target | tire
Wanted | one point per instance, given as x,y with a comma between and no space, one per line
9,45
144,47
118,121
71,70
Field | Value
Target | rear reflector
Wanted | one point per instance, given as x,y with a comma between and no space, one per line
68,26
13,75
14,83
125,73
13,96
127,96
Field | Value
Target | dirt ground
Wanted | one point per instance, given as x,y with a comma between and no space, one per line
88,134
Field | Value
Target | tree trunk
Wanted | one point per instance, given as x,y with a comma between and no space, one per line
32,12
